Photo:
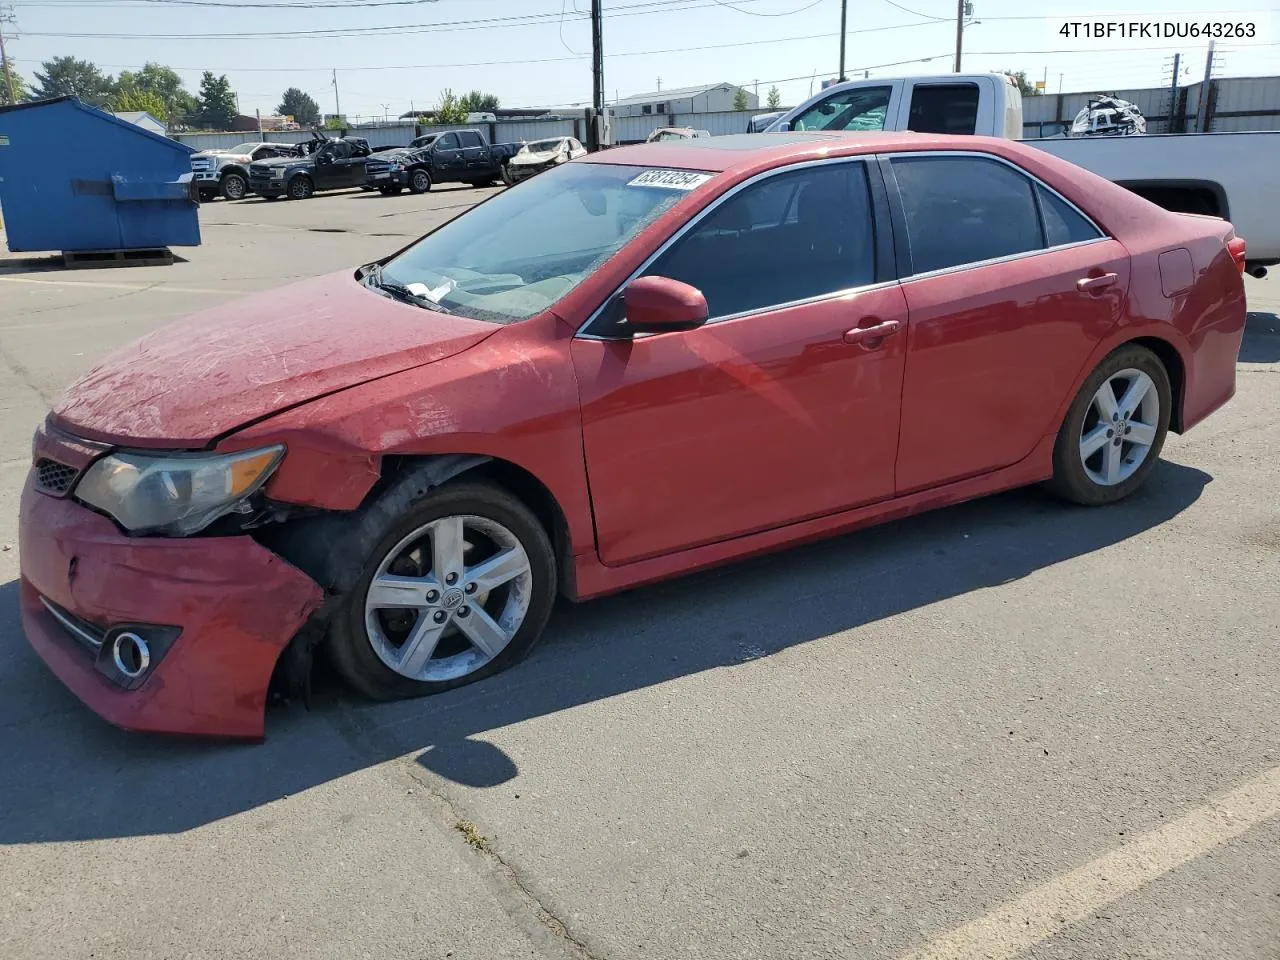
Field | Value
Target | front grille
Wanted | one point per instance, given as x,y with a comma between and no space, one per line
376,166
202,164
54,477
84,632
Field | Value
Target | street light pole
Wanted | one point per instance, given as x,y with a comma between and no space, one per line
844,16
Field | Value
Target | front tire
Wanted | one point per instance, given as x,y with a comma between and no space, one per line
300,188
419,181
506,175
234,187
458,587
1115,429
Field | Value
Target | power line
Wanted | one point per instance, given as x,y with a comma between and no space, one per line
757,13
917,13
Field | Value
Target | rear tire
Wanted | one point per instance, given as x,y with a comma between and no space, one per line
370,635
300,188
506,175
419,181
234,187
1115,429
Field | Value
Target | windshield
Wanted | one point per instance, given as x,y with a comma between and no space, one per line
516,255
542,146
424,141
243,148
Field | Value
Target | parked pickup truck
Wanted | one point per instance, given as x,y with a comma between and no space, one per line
328,165
459,156
1219,174
226,172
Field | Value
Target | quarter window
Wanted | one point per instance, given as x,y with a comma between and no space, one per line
1062,223
965,210
862,108
790,237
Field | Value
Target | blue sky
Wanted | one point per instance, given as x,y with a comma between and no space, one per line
683,42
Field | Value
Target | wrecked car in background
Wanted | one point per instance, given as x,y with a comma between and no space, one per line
226,172
541,155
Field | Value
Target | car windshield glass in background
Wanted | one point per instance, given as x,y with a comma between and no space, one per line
518,253
965,210
796,235
542,146
862,108
244,148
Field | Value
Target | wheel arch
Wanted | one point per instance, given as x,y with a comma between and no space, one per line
233,168
1174,365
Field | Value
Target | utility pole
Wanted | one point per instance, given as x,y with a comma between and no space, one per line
337,104
1171,126
597,69
844,16
960,4
1202,121
6,16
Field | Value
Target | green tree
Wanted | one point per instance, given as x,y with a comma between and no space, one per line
450,108
336,123
774,100
740,101
217,103
68,75
1025,86
299,105
479,102
135,99
20,91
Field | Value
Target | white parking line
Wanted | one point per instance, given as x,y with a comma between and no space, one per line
1043,912
119,286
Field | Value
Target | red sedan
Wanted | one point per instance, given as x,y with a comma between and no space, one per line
644,362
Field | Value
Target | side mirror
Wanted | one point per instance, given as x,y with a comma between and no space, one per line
660,305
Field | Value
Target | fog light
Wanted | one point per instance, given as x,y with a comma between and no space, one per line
131,652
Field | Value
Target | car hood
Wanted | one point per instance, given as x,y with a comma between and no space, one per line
542,156
208,374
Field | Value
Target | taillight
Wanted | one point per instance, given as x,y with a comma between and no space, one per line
1236,247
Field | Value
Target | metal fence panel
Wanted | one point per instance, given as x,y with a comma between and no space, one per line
524,130
221,141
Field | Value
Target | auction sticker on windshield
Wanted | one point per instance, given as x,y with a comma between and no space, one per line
670,179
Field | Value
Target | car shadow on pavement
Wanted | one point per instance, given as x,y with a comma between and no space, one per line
70,776
1261,339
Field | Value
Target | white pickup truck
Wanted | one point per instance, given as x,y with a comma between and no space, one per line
1220,174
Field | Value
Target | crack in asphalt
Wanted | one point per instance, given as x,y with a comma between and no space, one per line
23,374
518,901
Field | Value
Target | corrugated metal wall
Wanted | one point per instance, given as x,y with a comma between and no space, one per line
220,141
1046,115
636,129
504,131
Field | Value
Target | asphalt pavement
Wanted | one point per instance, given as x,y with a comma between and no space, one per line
1009,729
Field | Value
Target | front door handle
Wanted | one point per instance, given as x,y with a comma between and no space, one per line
1095,284
868,335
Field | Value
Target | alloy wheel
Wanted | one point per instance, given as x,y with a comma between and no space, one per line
1119,427
448,598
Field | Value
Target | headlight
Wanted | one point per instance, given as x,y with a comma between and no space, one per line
177,494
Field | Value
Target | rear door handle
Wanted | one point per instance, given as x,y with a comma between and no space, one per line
868,335
1094,284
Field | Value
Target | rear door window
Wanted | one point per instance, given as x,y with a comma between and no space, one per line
944,108
965,210
862,108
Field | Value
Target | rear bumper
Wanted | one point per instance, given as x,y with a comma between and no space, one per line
236,604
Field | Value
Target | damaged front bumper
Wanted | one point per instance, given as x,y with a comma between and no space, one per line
213,615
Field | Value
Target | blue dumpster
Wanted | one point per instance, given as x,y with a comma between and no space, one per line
76,179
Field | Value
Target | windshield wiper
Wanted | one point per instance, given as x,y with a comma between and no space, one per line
399,291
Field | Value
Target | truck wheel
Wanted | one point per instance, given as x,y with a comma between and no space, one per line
234,186
506,175
419,181
301,187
